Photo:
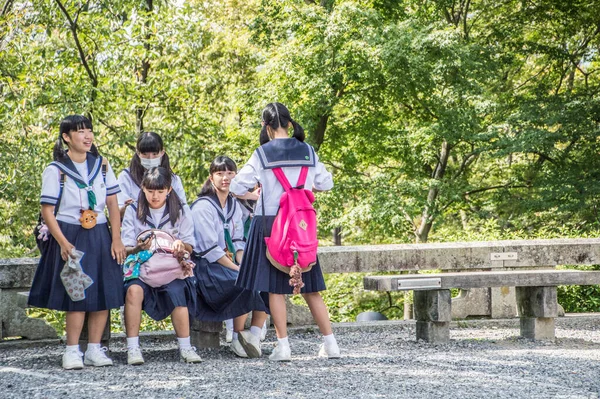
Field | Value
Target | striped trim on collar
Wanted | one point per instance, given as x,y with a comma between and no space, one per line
70,170
231,206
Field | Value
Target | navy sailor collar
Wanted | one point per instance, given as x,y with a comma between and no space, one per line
279,153
163,221
69,169
214,201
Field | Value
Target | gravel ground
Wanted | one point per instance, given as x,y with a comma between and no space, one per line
379,360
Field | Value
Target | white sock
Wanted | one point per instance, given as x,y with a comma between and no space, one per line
72,348
229,324
329,340
234,336
184,343
133,342
92,347
256,331
283,342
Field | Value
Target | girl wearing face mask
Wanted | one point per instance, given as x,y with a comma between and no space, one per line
149,153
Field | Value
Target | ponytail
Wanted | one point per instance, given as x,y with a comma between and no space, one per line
276,115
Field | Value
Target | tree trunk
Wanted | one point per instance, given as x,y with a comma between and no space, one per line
142,73
319,134
428,215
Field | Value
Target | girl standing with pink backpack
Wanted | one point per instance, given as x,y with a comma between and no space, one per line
159,237
298,162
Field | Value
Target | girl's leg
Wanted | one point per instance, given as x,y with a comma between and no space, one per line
181,323
278,314
317,307
239,322
74,325
133,310
94,355
72,357
133,318
282,351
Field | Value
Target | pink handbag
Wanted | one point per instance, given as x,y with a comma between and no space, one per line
162,267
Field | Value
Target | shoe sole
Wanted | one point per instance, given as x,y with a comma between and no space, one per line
135,363
281,360
189,361
96,365
250,349
73,368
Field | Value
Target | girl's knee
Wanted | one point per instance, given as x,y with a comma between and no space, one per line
135,294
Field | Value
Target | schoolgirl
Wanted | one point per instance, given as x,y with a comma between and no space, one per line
219,233
76,188
158,208
278,149
149,152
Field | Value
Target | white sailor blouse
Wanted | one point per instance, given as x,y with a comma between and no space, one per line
74,199
289,154
209,228
183,229
130,190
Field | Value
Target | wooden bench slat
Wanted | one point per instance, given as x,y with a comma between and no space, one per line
516,278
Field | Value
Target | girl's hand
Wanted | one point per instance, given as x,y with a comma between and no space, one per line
144,245
118,251
65,250
178,248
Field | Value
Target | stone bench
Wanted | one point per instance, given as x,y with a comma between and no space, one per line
535,293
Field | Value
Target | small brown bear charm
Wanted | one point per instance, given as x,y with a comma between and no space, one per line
88,219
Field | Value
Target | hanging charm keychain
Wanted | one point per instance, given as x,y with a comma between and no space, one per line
88,217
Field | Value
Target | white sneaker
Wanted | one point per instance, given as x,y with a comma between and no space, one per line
228,335
281,354
189,355
97,357
238,349
329,351
134,356
250,343
263,332
72,360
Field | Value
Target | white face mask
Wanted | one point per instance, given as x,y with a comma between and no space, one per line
148,163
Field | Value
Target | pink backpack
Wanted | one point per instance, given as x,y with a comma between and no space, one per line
162,267
293,240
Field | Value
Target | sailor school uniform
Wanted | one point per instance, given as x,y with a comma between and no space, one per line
290,154
130,190
218,296
47,290
159,302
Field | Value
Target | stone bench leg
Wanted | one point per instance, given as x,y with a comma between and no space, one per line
14,321
433,312
537,309
205,334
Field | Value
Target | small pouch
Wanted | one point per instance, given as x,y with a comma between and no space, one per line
73,278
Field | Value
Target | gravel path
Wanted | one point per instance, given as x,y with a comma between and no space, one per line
381,360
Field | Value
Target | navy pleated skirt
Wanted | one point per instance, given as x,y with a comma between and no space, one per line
159,302
218,297
47,289
257,273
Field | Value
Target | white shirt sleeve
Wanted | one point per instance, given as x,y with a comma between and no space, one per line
112,185
207,238
323,179
247,177
186,229
50,186
125,186
178,188
128,233
238,233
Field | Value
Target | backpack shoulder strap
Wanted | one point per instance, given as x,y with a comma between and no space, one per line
60,191
302,177
104,168
282,179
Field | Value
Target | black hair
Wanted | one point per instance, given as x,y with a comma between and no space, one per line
158,178
71,123
220,164
147,142
276,115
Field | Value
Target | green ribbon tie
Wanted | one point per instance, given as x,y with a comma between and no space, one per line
90,193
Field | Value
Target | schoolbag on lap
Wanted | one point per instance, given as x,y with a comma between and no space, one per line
292,246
